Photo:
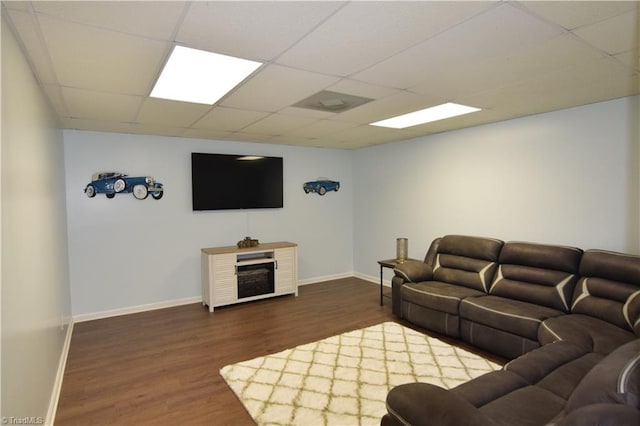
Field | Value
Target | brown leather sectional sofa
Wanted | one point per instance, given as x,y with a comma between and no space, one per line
568,319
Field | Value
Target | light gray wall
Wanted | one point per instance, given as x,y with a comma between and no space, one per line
566,177
35,274
127,253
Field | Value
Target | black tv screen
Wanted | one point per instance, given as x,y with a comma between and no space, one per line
224,182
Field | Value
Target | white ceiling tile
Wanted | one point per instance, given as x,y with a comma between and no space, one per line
171,113
101,60
275,87
574,14
375,30
615,35
499,31
306,112
320,128
248,137
249,29
400,103
631,58
29,32
157,129
24,6
206,134
98,125
90,105
359,88
228,119
155,19
494,72
605,78
277,124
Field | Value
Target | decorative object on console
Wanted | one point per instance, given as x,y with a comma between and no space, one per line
321,186
248,242
402,249
112,183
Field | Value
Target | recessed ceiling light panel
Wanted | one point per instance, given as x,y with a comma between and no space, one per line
439,112
192,75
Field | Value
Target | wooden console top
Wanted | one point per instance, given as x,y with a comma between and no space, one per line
259,247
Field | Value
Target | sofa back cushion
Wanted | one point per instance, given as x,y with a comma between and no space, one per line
609,288
466,261
542,274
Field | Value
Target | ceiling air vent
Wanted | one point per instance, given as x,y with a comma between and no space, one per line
332,101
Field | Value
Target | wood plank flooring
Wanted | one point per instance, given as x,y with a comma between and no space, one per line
162,367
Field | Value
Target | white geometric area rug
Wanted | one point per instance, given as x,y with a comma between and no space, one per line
344,380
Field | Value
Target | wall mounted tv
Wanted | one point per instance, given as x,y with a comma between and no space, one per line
225,182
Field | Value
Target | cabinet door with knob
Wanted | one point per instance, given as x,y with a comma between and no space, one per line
286,270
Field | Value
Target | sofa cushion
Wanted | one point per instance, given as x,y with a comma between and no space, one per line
616,379
466,261
557,367
437,295
592,333
609,288
513,316
537,273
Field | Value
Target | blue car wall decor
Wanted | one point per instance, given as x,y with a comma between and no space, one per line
112,183
321,186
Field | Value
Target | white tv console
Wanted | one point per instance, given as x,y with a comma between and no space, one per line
233,275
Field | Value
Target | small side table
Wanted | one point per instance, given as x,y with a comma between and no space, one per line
387,263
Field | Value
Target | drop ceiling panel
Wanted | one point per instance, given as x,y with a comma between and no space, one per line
98,125
154,19
606,78
400,103
504,70
615,35
101,60
250,29
389,26
90,105
169,113
275,87
320,128
29,33
228,119
500,31
512,58
277,124
572,15
631,58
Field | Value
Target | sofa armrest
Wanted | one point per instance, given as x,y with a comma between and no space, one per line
413,271
420,404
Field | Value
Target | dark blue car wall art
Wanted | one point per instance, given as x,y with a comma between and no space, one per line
112,183
321,186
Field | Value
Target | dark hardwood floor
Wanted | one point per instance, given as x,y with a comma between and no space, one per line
162,367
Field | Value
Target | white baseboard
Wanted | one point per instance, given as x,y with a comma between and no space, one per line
136,309
57,384
325,278
376,280
196,299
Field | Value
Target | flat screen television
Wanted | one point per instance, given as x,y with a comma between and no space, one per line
226,182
